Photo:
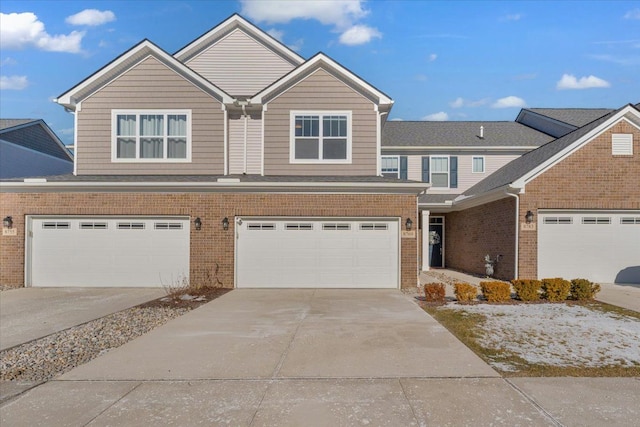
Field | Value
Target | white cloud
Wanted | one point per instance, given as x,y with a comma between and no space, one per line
91,17
8,61
276,34
359,34
13,82
421,77
509,102
433,57
436,117
632,14
460,102
21,30
341,13
569,81
397,119
513,17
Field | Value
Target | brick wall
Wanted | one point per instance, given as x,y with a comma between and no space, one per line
473,233
210,245
591,178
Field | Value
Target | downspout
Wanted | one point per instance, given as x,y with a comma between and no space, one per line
379,140
225,138
246,118
506,191
75,138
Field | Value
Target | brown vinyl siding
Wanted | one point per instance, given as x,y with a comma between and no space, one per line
150,85
239,64
320,91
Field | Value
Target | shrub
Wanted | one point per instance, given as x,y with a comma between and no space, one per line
496,291
582,289
434,292
465,292
556,289
527,290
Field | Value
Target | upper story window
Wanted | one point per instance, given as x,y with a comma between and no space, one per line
320,137
391,166
477,164
622,144
151,136
439,171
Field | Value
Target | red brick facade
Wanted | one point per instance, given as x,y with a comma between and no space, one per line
483,230
211,245
591,178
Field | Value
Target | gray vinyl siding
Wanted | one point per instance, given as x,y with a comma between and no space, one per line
239,64
466,178
236,145
320,91
150,85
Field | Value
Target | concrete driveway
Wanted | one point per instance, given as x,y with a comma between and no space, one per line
30,313
303,357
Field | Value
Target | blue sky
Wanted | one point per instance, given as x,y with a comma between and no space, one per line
453,60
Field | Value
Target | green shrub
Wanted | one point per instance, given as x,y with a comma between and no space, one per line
527,290
556,289
496,291
583,290
465,292
434,292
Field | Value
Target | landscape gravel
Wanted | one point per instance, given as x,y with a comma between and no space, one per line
48,357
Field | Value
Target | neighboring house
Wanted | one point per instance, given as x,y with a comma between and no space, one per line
237,158
233,157
570,208
28,147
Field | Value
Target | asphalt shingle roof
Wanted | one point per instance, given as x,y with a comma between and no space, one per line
35,136
577,117
9,123
462,134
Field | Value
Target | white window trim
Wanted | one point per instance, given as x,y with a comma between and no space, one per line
484,164
448,171
396,157
114,136
292,136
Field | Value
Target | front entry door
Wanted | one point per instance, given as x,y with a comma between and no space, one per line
435,245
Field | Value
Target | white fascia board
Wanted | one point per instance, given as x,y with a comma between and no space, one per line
576,145
465,202
459,148
267,187
382,98
69,101
239,22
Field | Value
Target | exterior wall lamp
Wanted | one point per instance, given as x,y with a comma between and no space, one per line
7,222
198,223
408,224
225,223
528,217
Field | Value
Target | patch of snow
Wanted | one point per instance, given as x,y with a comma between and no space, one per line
187,297
559,335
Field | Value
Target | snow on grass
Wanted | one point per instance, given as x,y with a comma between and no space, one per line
559,334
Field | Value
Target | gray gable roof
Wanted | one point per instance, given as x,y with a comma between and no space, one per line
34,135
577,117
524,164
462,134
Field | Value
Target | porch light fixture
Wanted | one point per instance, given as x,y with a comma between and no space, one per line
408,224
225,223
7,222
198,223
529,217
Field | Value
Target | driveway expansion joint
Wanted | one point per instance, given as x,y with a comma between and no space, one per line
535,404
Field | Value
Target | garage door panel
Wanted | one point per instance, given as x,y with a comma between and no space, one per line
595,245
327,253
111,255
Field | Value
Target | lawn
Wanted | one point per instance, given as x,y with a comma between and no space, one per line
548,339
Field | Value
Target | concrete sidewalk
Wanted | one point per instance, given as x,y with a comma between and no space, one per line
30,313
313,358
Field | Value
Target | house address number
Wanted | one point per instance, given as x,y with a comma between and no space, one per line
528,226
9,231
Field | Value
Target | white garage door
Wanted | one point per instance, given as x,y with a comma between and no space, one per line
317,253
602,246
108,251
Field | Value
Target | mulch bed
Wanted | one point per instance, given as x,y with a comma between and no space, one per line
190,299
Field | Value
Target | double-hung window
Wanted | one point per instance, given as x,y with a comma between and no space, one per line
320,137
391,166
151,135
477,164
440,171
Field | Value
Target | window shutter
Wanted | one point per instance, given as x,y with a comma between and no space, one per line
425,169
453,172
403,167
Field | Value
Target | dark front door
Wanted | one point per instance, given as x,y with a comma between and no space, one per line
435,245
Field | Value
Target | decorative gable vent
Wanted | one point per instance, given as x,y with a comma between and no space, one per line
622,144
